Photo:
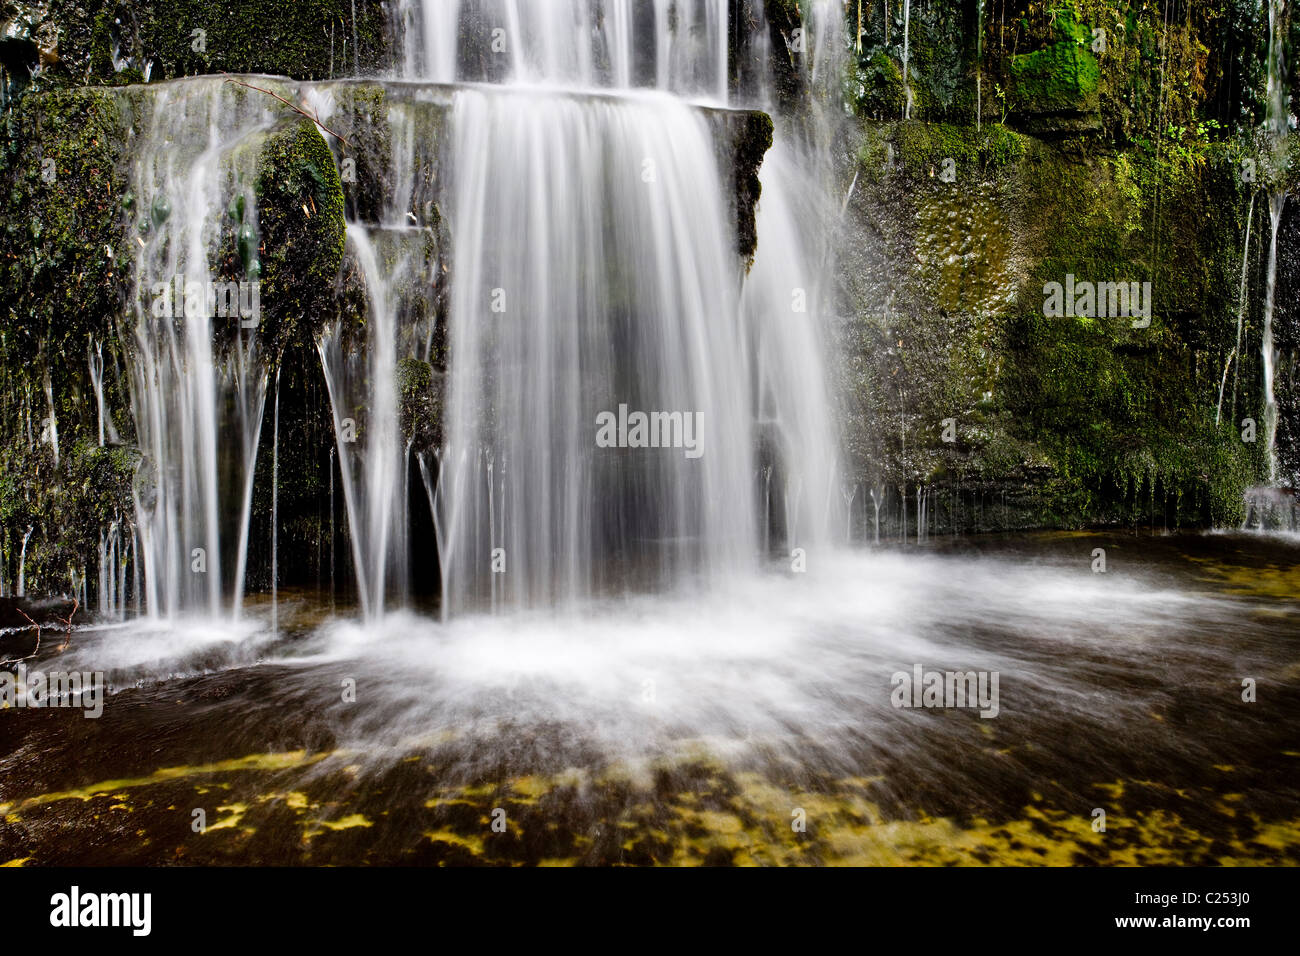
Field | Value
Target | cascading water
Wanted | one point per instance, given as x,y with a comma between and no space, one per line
1276,124
1268,350
1235,354
907,86
600,230
196,378
679,46
593,272
372,453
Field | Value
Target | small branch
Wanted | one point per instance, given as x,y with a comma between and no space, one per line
76,603
297,109
37,650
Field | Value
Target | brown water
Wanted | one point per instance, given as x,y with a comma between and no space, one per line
704,728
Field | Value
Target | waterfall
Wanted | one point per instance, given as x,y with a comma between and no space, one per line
593,274
1267,350
275,508
333,532
979,65
907,85
369,467
51,431
680,46
1276,122
188,368
22,565
95,358
584,198
362,382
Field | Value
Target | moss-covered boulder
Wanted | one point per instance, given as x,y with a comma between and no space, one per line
1061,81
301,217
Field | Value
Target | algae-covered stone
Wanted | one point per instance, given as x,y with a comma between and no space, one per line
116,41
1062,79
419,390
300,210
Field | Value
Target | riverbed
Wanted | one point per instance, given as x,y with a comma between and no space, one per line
1148,714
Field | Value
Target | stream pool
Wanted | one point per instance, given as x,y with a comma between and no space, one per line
755,725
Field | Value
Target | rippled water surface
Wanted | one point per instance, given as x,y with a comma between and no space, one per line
755,724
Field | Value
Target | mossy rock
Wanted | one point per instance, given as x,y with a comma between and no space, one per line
61,234
306,39
1064,78
744,139
301,217
420,400
878,87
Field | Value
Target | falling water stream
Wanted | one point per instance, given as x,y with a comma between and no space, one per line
1276,124
593,273
188,361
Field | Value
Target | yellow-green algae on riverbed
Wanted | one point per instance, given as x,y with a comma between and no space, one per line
271,807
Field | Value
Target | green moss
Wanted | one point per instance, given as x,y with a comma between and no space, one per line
1119,408
61,230
923,147
880,87
1064,77
307,39
420,404
941,62
301,216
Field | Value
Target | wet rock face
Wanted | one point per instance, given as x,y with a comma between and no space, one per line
1286,330
953,236
28,37
1097,144
115,41
743,138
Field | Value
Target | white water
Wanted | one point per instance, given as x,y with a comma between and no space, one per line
583,180
907,84
673,45
22,565
784,662
361,377
1276,124
593,267
1267,349
616,291
371,466
185,370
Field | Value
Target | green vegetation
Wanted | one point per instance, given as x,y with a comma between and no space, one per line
300,204
115,41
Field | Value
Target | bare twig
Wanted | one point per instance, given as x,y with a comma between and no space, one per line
76,603
297,109
37,650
